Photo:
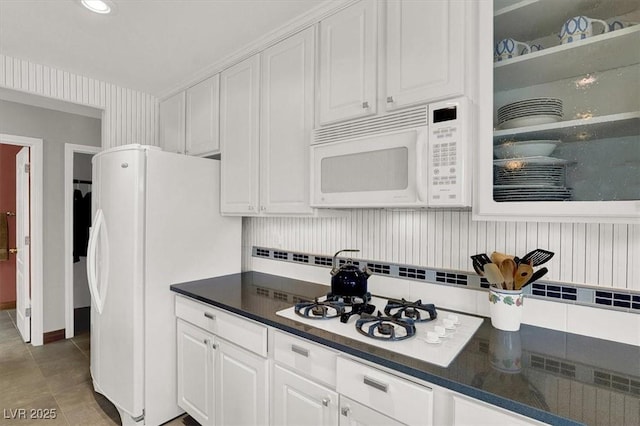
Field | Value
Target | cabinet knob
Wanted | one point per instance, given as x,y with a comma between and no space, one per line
263,208
326,401
345,411
250,207
214,346
390,99
365,105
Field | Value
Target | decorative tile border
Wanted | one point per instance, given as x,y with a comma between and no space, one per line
618,299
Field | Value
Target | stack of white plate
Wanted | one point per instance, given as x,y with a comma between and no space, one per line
530,175
530,112
541,180
531,193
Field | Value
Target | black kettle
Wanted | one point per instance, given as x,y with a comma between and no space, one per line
348,280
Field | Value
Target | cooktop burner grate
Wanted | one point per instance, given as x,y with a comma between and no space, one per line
320,310
385,328
416,311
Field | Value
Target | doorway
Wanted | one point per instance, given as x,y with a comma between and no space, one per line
77,178
31,310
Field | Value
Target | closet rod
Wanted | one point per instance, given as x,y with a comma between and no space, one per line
82,181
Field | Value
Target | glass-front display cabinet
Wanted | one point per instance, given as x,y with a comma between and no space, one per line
559,127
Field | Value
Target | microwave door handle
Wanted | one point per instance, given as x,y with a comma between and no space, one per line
421,145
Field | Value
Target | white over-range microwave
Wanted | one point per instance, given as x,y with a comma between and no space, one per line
419,157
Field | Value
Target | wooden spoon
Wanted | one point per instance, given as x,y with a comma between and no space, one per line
523,274
498,258
508,269
493,275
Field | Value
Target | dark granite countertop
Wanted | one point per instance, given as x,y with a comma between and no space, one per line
559,378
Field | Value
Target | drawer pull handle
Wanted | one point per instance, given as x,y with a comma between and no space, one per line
326,401
375,384
299,350
210,316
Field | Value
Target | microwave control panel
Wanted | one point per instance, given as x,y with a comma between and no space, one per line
448,177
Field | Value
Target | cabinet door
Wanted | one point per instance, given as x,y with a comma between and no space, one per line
353,413
195,372
203,117
561,149
298,401
241,386
239,109
425,51
348,63
286,124
172,133
476,413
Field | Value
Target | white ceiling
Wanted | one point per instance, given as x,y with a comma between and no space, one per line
147,45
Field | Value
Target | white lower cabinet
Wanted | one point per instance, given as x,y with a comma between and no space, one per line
195,372
241,393
220,382
468,412
403,401
353,413
298,401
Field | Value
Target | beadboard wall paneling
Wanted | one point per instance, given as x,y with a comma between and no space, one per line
590,254
129,116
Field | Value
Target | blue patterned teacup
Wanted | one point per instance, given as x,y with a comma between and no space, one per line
536,47
617,24
579,28
509,48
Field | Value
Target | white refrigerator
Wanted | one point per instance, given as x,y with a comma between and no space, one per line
156,221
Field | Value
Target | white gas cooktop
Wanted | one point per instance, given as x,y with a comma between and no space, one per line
438,341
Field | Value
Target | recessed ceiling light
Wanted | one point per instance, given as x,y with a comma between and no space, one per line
98,6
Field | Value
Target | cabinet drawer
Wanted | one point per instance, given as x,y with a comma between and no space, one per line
242,332
305,357
398,398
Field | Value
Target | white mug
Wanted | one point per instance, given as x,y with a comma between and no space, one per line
509,48
579,28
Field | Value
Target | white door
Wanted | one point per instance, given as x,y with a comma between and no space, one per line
239,133
203,118
298,401
425,51
195,372
172,123
286,122
23,268
241,391
115,273
348,63
353,413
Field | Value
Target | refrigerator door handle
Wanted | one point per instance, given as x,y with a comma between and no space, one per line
92,276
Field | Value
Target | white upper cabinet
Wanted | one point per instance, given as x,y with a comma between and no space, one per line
559,117
203,117
172,123
348,63
425,51
286,124
239,136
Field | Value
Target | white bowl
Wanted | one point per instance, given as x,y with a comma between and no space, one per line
525,149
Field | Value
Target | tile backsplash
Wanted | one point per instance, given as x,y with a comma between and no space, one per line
603,255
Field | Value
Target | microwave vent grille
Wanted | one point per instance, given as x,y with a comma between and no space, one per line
401,120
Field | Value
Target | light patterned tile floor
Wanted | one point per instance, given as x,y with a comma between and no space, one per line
52,378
